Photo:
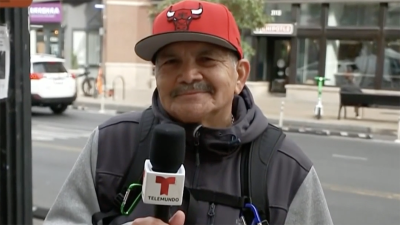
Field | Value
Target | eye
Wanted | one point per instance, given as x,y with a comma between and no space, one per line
206,59
170,61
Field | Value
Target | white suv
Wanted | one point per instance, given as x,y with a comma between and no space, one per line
51,84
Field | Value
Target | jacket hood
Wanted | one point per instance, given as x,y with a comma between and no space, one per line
249,123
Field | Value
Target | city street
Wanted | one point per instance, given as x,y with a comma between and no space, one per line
360,177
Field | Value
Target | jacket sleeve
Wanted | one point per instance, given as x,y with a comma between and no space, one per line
77,200
309,206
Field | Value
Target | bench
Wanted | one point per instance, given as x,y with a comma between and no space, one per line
364,100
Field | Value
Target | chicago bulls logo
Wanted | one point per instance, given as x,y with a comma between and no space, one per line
183,17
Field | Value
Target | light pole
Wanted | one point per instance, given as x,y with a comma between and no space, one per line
103,32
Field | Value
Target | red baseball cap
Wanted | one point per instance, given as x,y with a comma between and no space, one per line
191,20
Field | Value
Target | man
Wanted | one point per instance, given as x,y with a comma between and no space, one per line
201,74
350,87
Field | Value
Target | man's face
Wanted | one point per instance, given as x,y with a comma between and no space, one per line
197,81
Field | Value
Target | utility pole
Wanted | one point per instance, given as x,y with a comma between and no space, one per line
15,120
103,33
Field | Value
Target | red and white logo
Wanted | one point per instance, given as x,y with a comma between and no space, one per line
162,188
183,17
165,182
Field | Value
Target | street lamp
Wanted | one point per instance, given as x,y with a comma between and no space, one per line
102,32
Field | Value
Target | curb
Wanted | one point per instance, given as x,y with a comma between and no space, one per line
79,107
91,110
108,107
297,126
322,132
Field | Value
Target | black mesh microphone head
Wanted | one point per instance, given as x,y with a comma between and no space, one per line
167,151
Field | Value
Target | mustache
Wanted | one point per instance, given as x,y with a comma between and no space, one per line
198,86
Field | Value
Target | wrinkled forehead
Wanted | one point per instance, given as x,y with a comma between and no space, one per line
191,49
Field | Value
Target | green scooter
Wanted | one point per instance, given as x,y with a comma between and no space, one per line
319,109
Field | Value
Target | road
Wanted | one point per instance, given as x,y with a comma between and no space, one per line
360,177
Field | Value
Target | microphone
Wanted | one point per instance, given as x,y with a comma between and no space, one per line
164,174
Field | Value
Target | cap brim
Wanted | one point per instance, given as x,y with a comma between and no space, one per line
148,47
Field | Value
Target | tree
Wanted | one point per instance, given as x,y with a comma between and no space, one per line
249,15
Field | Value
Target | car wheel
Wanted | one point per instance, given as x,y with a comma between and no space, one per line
58,109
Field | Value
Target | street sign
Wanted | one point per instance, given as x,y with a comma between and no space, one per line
15,3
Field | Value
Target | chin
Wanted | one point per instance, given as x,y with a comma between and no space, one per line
189,113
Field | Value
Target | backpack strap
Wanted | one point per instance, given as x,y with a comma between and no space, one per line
135,170
255,163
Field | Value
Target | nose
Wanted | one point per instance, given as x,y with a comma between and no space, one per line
189,72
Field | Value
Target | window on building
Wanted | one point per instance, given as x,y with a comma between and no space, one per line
393,15
278,12
78,54
262,60
307,60
54,42
40,43
94,48
391,65
353,14
310,14
351,61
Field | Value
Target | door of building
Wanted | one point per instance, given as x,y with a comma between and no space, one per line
278,63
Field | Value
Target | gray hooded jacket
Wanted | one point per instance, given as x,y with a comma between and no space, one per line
295,193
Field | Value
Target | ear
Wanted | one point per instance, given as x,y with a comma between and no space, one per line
243,71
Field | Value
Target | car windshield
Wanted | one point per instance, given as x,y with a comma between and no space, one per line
49,67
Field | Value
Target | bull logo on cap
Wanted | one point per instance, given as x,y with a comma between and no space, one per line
183,17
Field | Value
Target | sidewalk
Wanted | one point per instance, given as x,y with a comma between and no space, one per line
296,114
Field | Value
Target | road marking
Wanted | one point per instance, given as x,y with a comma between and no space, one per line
67,126
331,187
107,112
349,157
43,132
55,146
364,192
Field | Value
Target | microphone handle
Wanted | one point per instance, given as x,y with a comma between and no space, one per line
162,212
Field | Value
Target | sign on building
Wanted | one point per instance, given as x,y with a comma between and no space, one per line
280,29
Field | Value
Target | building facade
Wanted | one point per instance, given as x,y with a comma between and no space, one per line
45,24
335,39
82,25
306,38
125,23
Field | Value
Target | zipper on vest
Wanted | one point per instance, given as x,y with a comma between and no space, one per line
196,146
211,214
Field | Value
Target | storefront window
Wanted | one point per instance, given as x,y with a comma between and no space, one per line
391,65
351,61
353,14
45,40
310,14
262,60
279,13
307,60
40,45
54,46
393,16
79,48
94,48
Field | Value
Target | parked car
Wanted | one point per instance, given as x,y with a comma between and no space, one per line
51,84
